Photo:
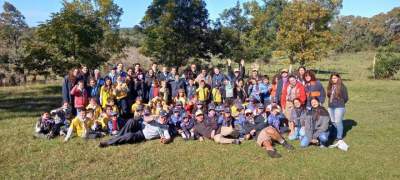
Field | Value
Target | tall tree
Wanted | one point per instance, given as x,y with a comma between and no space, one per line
12,28
83,32
304,31
176,30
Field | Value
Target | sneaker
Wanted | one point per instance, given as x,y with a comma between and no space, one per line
273,154
103,144
287,146
322,146
236,141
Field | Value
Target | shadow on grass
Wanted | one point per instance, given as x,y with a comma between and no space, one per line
348,124
26,106
53,89
319,71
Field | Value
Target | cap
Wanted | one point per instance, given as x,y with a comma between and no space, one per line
199,103
176,109
227,110
211,107
248,111
199,112
284,70
260,106
236,70
163,113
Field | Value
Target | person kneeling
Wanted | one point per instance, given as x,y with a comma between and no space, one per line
315,130
133,132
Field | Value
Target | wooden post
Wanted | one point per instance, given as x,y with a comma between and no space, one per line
373,66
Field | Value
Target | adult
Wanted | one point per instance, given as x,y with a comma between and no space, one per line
80,94
298,116
300,74
192,72
282,81
313,88
69,82
338,97
291,91
316,126
217,78
237,73
133,132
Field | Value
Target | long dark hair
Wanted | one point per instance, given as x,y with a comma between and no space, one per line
338,84
311,74
319,111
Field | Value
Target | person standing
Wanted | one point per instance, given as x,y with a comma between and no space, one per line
338,97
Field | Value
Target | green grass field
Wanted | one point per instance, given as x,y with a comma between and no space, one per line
371,124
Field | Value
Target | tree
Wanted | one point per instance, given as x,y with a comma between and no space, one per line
176,30
83,32
12,28
304,31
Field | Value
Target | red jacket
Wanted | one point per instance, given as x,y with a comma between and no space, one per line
81,97
300,93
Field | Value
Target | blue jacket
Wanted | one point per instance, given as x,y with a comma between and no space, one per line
66,89
217,80
312,89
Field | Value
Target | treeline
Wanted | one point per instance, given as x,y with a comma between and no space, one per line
173,32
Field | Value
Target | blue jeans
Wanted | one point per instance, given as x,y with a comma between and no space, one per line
295,135
336,115
323,139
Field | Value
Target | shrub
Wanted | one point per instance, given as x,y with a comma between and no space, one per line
387,64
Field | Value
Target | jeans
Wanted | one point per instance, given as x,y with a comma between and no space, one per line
295,135
323,139
336,115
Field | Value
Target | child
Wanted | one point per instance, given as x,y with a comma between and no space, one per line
187,131
80,94
80,125
202,92
228,91
45,127
95,129
191,89
61,116
265,89
111,102
104,118
115,123
164,92
216,95
138,102
95,107
181,97
275,118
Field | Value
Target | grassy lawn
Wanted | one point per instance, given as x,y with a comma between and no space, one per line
372,130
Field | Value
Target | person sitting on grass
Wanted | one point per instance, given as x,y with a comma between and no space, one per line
79,125
275,119
133,132
266,137
45,127
61,117
95,107
187,125
316,126
252,126
297,116
209,130
115,123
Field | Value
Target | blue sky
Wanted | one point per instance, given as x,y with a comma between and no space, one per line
37,11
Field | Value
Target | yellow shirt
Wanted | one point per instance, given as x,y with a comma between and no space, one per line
202,93
216,95
121,91
103,121
97,110
78,126
104,95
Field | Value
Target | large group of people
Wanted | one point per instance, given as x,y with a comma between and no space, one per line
134,105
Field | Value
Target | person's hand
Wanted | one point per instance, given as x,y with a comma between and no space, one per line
201,139
315,141
247,136
242,62
252,132
65,140
229,62
163,140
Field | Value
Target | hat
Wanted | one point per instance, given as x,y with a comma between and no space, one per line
146,112
114,113
219,108
163,113
181,90
211,107
255,69
227,110
176,109
248,111
284,70
199,103
239,106
139,107
236,70
199,112
186,115
260,106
